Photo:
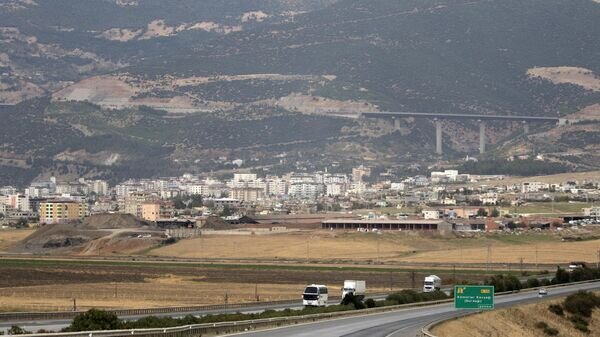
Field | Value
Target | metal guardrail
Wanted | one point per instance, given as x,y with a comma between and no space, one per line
27,316
31,316
197,330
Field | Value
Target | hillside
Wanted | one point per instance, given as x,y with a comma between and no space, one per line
519,321
187,82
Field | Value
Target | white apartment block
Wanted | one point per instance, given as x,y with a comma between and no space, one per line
335,189
15,201
533,186
305,190
244,177
277,187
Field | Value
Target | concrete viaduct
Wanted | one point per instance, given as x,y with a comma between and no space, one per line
436,117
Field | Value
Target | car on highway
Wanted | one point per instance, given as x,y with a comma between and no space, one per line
542,292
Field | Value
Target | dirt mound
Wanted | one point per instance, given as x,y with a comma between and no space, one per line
216,223
112,221
56,238
125,243
74,237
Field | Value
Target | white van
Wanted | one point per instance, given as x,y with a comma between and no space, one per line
315,295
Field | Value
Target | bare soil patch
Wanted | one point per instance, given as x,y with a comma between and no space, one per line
572,75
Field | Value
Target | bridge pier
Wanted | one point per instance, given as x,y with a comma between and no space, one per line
438,136
481,136
525,127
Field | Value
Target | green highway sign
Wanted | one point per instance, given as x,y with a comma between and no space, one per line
474,297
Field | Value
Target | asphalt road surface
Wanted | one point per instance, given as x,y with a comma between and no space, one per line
406,322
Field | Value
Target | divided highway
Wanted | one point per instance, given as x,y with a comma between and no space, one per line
402,322
406,322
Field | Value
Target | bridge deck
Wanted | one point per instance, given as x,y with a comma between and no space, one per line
458,116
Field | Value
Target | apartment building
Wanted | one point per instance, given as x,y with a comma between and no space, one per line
60,211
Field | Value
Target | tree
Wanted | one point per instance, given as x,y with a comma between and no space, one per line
562,276
511,225
22,223
226,211
482,212
94,319
495,213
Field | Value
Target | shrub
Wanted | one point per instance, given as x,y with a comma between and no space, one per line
556,309
581,303
170,241
532,283
403,297
541,325
579,323
562,276
17,330
356,301
370,303
434,296
503,283
550,331
94,319
581,327
577,319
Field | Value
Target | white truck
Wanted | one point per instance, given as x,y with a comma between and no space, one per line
432,283
354,287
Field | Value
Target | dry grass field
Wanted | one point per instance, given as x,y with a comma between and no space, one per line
170,290
543,253
43,284
514,322
554,178
314,245
542,248
9,237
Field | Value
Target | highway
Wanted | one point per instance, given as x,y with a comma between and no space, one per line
417,318
406,322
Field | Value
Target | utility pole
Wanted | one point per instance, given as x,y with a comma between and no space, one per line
413,280
378,250
489,256
256,292
521,260
598,261
392,277
74,304
307,249
454,274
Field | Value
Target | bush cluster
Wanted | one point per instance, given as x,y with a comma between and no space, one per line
548,330
411,296
580,307
503,283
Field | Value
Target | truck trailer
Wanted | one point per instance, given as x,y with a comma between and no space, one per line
354,287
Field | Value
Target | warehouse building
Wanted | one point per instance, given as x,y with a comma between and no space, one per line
386,224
